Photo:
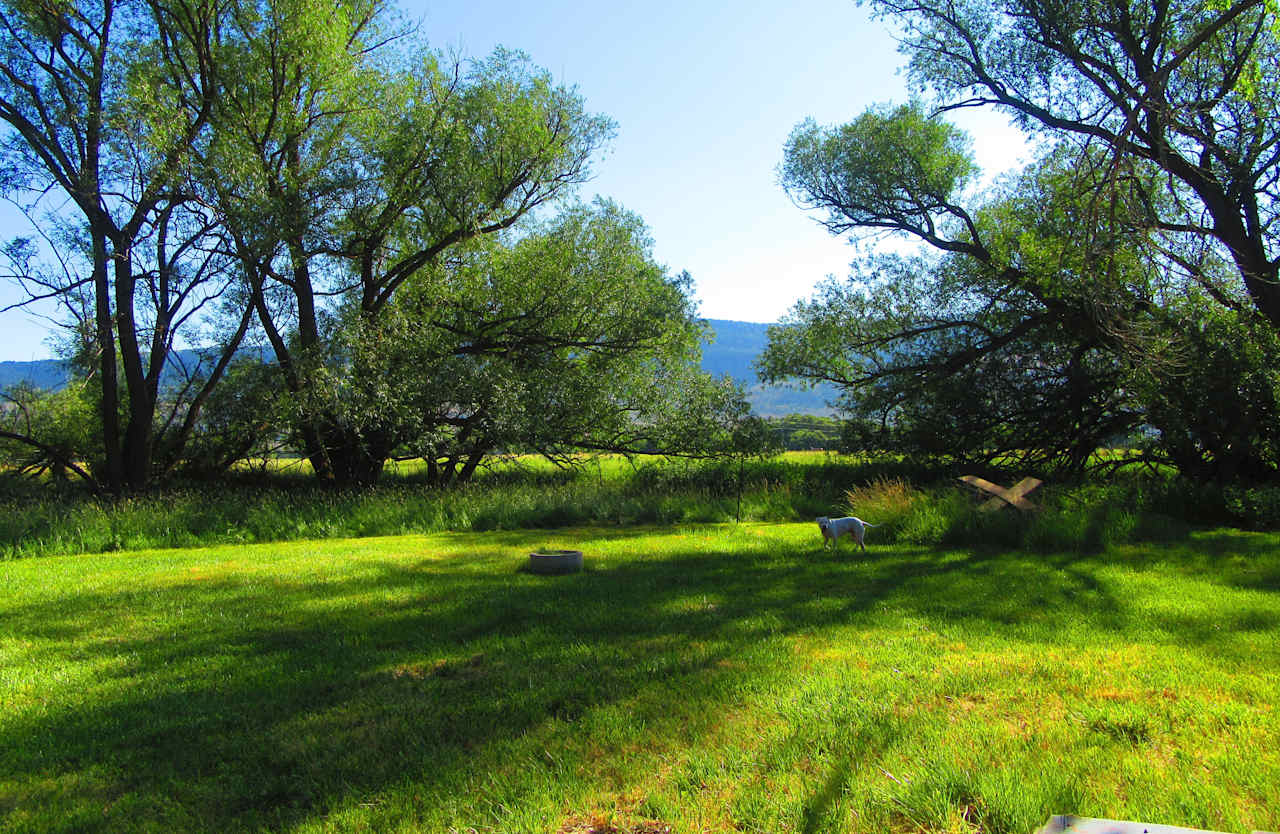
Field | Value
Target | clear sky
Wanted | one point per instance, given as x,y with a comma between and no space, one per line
704,94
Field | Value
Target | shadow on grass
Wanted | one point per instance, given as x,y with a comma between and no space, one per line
249,703
821,809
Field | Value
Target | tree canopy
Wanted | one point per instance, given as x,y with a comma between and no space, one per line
566,337
1186,87
354,177
1089,297
396,228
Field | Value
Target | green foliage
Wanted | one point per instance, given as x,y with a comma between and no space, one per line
798,432
242,420
1112,285
1216,400
894,169
105,103
1046,329
380,174
1254,508
567,337
327,158
50,432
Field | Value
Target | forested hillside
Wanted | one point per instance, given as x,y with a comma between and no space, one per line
734,350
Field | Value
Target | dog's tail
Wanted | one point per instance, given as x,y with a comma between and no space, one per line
869,524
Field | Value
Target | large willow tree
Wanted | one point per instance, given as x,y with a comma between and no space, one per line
249,168
348,160
1187,87
1076,301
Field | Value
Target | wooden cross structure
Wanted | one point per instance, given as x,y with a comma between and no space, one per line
1014,496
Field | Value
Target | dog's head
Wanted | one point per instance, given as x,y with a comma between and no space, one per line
823,523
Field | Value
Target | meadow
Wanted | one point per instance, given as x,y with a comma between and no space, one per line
696,677
282,503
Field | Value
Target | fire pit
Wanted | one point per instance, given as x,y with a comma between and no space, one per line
555,561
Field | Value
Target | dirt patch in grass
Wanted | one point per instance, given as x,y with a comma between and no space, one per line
469,667
600,825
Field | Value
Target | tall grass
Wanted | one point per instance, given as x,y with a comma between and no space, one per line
909,505
1081,518
287,506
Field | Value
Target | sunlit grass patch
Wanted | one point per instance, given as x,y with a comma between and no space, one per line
710,678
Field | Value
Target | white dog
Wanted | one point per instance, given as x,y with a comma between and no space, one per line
833,528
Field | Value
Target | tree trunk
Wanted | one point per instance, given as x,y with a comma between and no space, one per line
142,404
351,458
104,335
473,460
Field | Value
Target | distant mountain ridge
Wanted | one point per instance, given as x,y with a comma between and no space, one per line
733,351
42,373
55,373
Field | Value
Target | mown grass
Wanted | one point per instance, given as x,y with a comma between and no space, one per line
711,678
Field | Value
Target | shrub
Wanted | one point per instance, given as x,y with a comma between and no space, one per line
1257,507
1085,519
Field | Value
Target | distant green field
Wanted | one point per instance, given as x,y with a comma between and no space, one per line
711,678
602,465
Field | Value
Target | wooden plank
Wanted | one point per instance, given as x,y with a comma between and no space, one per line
982,484
1012,497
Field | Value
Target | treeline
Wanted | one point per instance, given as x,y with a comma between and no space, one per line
805,432
395,230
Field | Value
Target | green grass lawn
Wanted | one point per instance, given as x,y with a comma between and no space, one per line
708,678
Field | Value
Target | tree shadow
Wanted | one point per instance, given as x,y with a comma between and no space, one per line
871,739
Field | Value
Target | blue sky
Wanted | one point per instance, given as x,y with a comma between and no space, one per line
704,95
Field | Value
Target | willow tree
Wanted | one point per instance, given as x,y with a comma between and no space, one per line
349,158
1187,87
1016,338
1061,306
102,102
567,337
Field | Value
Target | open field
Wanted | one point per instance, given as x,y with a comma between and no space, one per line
707,677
